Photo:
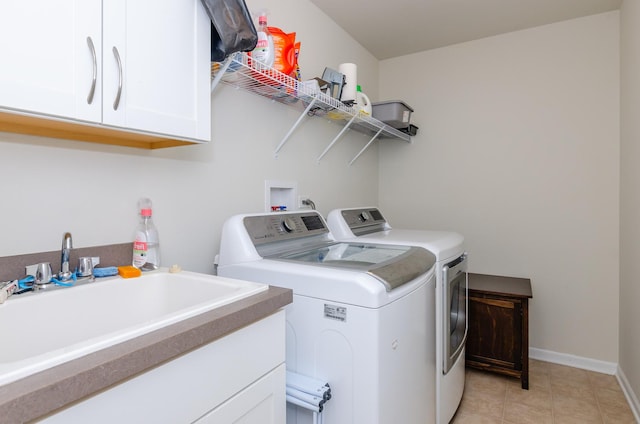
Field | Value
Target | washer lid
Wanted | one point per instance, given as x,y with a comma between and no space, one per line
393,265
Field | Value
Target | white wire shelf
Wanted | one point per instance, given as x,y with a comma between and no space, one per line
240,71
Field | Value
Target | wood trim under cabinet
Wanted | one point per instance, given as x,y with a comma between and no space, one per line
93,133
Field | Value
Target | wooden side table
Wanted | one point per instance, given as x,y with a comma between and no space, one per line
498,337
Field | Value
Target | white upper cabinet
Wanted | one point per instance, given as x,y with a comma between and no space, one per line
138,66
50,53
157,66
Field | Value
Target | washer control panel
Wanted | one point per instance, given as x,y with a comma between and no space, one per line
363,221
281,227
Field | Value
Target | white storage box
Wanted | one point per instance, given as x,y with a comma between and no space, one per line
394,113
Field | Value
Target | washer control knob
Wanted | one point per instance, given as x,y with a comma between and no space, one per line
364,216
289,225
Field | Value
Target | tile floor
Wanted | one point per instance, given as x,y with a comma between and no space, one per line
557,395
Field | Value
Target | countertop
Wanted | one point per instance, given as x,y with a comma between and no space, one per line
496,284
47,391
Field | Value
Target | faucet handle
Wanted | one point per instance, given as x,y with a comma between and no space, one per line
86,264
43,273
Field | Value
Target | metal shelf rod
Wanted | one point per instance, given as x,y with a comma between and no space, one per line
220,73
366,146
345,128
295,125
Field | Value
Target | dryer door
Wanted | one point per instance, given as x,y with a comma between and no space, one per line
455,310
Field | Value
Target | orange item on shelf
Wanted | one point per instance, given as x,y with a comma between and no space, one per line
129,271
285,50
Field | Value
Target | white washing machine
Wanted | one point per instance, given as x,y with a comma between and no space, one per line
361,317
368,225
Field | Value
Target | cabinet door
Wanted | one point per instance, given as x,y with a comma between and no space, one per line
157,67
48,66
494,331
263,402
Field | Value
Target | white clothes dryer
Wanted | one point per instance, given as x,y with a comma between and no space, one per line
367,224
361,318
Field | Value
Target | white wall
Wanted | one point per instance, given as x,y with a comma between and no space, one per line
630,195
52,186
518,149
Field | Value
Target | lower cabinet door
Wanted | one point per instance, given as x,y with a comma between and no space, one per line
494,331
263,402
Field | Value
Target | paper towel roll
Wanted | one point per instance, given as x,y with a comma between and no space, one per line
350,71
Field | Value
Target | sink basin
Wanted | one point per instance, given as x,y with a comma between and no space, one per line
41,330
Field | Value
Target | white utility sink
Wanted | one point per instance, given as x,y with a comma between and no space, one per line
41,330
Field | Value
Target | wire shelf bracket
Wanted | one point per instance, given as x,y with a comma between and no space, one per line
337,137
365,147
303,115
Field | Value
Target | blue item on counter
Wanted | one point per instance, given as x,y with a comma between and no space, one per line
107,271
61,283
23,282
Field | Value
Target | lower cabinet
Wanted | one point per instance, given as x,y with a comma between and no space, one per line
239,378
498,336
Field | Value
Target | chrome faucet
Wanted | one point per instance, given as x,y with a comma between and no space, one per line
65,274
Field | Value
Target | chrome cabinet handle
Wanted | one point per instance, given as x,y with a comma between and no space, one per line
92,90
116,102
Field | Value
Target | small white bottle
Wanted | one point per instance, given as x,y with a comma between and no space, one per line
146,244
264,51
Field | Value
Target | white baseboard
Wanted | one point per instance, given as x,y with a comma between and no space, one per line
629,393
581,362
610,368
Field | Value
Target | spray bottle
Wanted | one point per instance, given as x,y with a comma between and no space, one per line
264,51
146,244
